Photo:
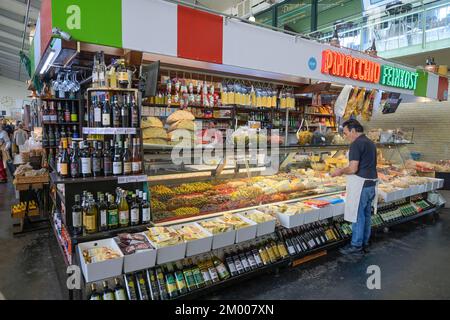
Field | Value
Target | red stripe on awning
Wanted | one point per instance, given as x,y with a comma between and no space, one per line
200,35
46,24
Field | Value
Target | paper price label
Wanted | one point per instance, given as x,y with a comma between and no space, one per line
86,130
122,180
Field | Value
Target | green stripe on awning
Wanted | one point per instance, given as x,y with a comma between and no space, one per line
422,81
97,22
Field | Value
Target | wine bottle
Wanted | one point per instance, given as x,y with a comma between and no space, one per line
119,291
113,214
67,113
199,282
131,287
124,212
134,113
161,284
153,284
127,166
244,261
125,112
258,259
106,113
142,288
77,226
97,159
171,283
202,265
97,105
107,161
134,212
187,272
212,270
108,294
116,113
180,281
221,269
230,264
145,209
86,162
117,161
251,259
237,263
64,161
73,113
136,165
91,216
103,213
94,294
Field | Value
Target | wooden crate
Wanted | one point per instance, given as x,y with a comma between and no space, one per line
31,180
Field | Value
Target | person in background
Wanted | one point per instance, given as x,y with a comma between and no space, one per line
5,144
20,137
361,185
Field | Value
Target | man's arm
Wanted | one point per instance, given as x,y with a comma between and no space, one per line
351,169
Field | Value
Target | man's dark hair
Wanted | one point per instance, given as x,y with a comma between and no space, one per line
353,124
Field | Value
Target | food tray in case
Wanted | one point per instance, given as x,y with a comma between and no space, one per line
140,260
262,228
198,246
247,233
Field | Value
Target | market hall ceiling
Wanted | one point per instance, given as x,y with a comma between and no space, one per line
12,25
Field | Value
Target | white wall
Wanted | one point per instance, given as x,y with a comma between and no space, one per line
15,91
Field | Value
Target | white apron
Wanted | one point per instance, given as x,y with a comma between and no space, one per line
354,188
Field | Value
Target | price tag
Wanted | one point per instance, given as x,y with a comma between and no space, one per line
109,131
120,131
122,180
141,178
86,130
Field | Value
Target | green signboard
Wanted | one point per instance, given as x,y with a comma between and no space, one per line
98,22
399,78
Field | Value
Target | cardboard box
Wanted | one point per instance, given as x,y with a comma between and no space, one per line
104,269
325,212
262,228
311,216
291,221
221,240
338,209
140,260
169,253
248,233
199,246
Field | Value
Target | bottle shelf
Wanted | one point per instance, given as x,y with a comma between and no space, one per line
119,179
112,89
59,99
110,130
61,123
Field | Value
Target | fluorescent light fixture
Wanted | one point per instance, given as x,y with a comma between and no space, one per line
47,63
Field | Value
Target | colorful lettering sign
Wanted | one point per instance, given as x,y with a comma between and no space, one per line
342,65
400,78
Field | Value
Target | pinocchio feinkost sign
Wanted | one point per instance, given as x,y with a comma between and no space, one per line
343,65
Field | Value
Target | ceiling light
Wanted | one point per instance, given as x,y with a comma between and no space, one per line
252,18
48,61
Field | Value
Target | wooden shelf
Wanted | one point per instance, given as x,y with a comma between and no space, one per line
61,123
59,99
319,114
112,89
215,119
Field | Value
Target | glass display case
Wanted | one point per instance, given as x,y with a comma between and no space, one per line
191,188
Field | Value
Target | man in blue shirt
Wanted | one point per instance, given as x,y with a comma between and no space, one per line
361,184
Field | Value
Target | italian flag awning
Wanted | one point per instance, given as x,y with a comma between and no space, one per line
167,28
